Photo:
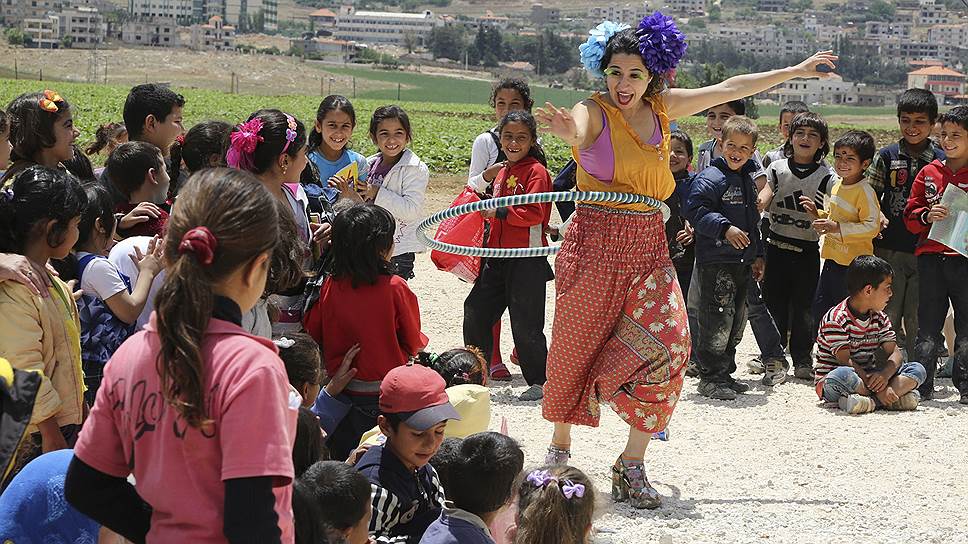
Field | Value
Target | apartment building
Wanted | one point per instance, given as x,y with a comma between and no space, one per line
214,35
384,27
84,26
161,32
43,32
178,11
627,13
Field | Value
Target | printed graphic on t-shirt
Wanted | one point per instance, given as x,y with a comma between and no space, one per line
733,196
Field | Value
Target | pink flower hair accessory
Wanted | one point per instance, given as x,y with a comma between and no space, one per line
290,132
245,139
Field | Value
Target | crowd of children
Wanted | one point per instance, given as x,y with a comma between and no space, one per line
219,312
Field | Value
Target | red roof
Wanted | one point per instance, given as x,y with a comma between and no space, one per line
936,71
322,13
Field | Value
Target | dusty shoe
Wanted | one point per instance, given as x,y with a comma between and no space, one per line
715,390
803,373
775,371
756,365
535,392
500,373
629,483
557,456
692,369
906,402
738,387
856,404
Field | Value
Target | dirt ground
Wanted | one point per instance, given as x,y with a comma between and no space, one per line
772,466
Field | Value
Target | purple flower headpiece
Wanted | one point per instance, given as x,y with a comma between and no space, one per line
541,478
661,43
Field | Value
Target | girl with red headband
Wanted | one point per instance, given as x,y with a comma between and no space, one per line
193,406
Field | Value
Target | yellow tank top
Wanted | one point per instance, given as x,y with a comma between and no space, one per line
639,168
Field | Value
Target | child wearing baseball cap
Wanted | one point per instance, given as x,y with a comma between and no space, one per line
407,495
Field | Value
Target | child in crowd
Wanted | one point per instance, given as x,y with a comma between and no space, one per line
39,213
397,182
41,132
716,117
212,460
892,175
793,246
107,137
941,270
679,231
851,221
788,111
517,285
487,469
329,145
447,457
272,145
203,146
153,114
110,304
556,504
300,353
722,202
137,171
308,448
407,496
362,283
847,371
341,495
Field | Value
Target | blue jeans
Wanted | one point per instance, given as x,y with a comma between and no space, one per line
843,381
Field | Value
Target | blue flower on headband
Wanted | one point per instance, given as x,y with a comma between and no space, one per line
661,43
593,50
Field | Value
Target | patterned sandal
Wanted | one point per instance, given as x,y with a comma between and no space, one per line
629,483
557,456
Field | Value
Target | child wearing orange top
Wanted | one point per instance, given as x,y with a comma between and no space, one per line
515,284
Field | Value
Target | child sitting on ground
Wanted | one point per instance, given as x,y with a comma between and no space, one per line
137,170
340,498
847,373
407,496
487,469
555,506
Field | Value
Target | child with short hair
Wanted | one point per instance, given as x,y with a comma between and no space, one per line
39,213
447,457
203,146
556,504
487,469
153,114
342,496
362,283
301,355
941,270
846,369
722,202
137,171
792,244
407,495
788,111
891,175
213,459
850,221
329,146
517,285
41,132
712,149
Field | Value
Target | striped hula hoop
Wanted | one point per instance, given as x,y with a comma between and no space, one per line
519,200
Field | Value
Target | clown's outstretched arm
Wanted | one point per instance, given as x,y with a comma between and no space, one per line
685,102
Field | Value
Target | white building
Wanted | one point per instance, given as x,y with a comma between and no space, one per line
933,12
85,26
156,32
213,36
952,34
629,13
178,11
383,27
326,48
833,90
762,39
13,12
43,32
244,13
882,29
678,6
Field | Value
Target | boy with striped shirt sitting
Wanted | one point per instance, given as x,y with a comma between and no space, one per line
846,370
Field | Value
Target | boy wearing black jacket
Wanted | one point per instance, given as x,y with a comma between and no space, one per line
722,203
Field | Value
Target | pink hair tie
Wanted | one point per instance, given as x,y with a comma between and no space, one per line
244,141
200,242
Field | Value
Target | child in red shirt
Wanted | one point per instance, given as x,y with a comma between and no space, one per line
517,285
941,269
364,304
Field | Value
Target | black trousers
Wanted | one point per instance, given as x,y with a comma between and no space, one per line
722,317
941,278
518,285
831,289
788,289
360,419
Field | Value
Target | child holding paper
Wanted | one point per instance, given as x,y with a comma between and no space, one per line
942,270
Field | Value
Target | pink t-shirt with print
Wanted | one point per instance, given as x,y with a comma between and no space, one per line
180,471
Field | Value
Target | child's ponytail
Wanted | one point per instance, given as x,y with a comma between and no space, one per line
225,219
555,506
104,135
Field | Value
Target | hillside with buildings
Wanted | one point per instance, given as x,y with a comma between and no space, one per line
884,45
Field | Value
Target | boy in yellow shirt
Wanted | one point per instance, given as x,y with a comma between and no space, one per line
850,221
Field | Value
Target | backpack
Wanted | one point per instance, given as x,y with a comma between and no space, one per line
101,331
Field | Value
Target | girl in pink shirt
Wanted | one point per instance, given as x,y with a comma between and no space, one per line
193,406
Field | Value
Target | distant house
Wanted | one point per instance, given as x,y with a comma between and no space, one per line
519,66
322,18
833,91
541,15
945,83
213,36
385,27
330,48
156,32
43,32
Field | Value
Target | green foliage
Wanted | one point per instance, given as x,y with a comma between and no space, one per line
881,10
448,42
15,36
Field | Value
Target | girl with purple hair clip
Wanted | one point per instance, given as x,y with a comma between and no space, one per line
614,263
556,504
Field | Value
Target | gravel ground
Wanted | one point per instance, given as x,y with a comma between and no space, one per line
772,466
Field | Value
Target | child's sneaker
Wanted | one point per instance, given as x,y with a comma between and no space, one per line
736,386
856,404
775,371
756,365
716,390
500,373
906,402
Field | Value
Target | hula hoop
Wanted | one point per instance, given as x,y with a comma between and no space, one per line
518,200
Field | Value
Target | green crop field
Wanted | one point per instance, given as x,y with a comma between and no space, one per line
443,132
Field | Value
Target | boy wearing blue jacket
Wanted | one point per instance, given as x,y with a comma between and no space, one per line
729,252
